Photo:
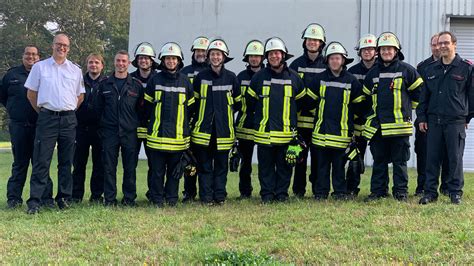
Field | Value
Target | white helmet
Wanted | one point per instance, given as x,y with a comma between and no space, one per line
390,39
144,48
314,31
366,41
275,43
337,48
254,47
171,49
219,44
200,42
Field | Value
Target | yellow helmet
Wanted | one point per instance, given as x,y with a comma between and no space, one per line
171,49
144,48
337,48
200,42
390,39
275,43
254,47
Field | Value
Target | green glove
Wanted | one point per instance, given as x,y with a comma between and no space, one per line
293,154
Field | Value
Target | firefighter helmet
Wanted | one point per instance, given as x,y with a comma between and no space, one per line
366,41
219,44
390,39
146,49
171,49
275,43
254,47
337,48
200,42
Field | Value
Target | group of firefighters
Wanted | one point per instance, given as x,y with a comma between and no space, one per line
201,120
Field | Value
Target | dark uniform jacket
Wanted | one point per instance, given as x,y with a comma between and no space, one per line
142,129
244,123
192,70
359,71
86,115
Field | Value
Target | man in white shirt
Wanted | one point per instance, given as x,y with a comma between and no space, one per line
55,90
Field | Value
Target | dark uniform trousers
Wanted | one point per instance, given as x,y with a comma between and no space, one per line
274,173
148,160
212,172
22,136
421,155
384,151
299,179
245,175
325,160
443,138
111,144
163,163
190,185
87,137
52,127
353,179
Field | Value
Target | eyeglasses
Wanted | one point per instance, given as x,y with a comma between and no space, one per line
444,43
60,45
30,54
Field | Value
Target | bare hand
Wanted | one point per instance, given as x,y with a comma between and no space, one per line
423,127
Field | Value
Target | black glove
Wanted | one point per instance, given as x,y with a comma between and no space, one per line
187,165
356,161
234,158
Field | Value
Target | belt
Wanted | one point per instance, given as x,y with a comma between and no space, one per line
57,113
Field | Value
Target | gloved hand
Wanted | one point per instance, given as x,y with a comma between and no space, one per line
293,154
234,158
187,165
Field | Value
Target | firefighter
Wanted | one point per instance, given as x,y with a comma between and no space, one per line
420,137
119,106
168,97
446,107
337,93
393,88
218,96
144,61
87,136
366,50
273,95
198,63
308,66
253,56
21,126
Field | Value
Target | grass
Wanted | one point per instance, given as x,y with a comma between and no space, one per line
241,232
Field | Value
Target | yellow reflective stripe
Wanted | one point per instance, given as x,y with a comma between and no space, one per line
305,125
156,124
286,107
238,98
353,154
345,113
243,109
397,100
191,101
311,94
230,115
359,99
301,74
265,109
141,132
396,125
322,102
415,84
196,95
252,93
305,118
414,104
191,80
168,140
366,90
397,131
148,98
202,107
180,116
167,147
301,94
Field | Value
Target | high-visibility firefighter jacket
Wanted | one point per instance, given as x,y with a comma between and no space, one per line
193,69
217,98
244,122
168,100
273,97
141,130
337,98
359,71
307,70
393,90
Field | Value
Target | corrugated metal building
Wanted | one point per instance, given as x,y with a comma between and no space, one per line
238,21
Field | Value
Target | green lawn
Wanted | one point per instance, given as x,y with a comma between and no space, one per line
297,232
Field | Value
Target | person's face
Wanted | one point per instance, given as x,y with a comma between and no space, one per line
387,53
171,62
144,62
60,46
255,60
312,45
121,62
435,47
275,58
335,62
367,54
446,46
216,58
200,55
94,65
30,57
